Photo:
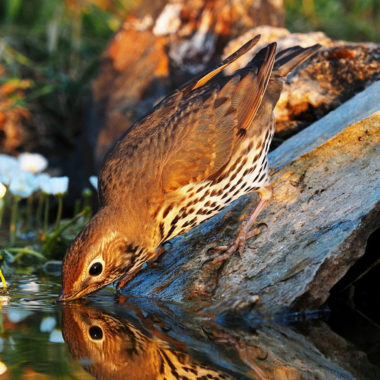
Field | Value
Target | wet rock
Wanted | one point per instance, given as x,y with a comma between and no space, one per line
328,79
325,205
157,49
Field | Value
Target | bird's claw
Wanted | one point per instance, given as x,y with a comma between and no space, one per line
237,245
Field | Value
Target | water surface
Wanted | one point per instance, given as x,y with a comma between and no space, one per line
110,336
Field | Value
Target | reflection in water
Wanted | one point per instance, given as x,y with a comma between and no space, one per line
142,339
111,347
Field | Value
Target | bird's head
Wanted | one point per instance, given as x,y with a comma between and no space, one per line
99,256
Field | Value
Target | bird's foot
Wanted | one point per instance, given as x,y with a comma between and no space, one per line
237,245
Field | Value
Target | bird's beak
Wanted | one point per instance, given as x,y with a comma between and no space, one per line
64,298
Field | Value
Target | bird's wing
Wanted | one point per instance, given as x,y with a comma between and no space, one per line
206,129
190,135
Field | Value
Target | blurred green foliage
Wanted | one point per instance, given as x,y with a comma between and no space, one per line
351,20
55,45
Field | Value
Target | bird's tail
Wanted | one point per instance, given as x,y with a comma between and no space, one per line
288,59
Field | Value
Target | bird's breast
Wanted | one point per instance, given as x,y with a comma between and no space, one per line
194,203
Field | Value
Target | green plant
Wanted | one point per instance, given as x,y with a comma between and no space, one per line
353,20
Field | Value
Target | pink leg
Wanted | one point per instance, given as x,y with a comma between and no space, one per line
246,232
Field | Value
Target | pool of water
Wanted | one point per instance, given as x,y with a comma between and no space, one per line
111,336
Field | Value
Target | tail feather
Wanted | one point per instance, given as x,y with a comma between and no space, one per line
203,78
288,59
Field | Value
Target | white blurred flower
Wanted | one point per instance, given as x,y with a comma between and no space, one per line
42,179
3,368
32,162
8,168
56,336
23,184
55,185
3,190
48,324
4,300
94,181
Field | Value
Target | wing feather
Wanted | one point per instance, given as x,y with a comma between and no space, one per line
191,135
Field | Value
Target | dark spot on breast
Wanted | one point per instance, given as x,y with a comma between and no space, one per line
247,149
202,198
256,157
262,176
225,195
233,176
172,228
175,220
162,230
244,162
166,211
156,212
233,167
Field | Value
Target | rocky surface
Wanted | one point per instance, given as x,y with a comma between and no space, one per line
325,205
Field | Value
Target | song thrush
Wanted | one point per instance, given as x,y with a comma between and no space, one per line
201,148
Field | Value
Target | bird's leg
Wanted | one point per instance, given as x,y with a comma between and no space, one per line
246,231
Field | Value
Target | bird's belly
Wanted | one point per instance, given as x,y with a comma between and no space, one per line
247,172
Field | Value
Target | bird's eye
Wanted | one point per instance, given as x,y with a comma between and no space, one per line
96,269
96,333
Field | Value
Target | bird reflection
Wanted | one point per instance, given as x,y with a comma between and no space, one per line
111,347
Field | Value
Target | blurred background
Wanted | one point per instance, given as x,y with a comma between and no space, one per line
50,51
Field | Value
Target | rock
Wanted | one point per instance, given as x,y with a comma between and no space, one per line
157,49
325,205
127,86
328,79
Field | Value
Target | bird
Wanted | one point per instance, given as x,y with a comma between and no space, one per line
201,148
